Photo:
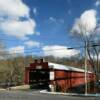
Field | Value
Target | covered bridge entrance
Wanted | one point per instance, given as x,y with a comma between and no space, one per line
37,74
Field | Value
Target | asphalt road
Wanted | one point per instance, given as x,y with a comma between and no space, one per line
30,95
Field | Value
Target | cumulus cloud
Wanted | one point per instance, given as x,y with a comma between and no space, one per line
31,43
97,3
59,51
10,23
15,8
17,28
86,23
17,49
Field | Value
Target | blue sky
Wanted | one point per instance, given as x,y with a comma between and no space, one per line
44,23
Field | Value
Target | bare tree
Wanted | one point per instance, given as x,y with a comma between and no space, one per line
85,29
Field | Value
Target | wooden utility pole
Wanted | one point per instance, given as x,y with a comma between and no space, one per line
85,67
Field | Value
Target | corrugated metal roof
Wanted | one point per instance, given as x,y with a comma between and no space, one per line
64,67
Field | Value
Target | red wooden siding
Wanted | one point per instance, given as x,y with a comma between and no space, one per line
63,79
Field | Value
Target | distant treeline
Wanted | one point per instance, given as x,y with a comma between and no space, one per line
12,69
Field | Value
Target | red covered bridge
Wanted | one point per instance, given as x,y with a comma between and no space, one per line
63,78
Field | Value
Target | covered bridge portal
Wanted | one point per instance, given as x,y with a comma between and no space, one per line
62,78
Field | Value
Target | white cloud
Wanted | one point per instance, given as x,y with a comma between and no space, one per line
37,33
17,49
15,8
17,28
97,3
31,43
10,23
86,23
98,56
52,19
56,21
35,11
59,51
94,57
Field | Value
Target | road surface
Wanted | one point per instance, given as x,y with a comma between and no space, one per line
30,95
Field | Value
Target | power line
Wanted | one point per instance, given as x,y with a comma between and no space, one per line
56,49
38,51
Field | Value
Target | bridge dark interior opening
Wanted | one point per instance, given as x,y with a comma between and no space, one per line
39,79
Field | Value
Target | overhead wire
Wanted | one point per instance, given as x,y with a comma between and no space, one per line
39,51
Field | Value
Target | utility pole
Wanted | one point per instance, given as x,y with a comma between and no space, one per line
85,63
